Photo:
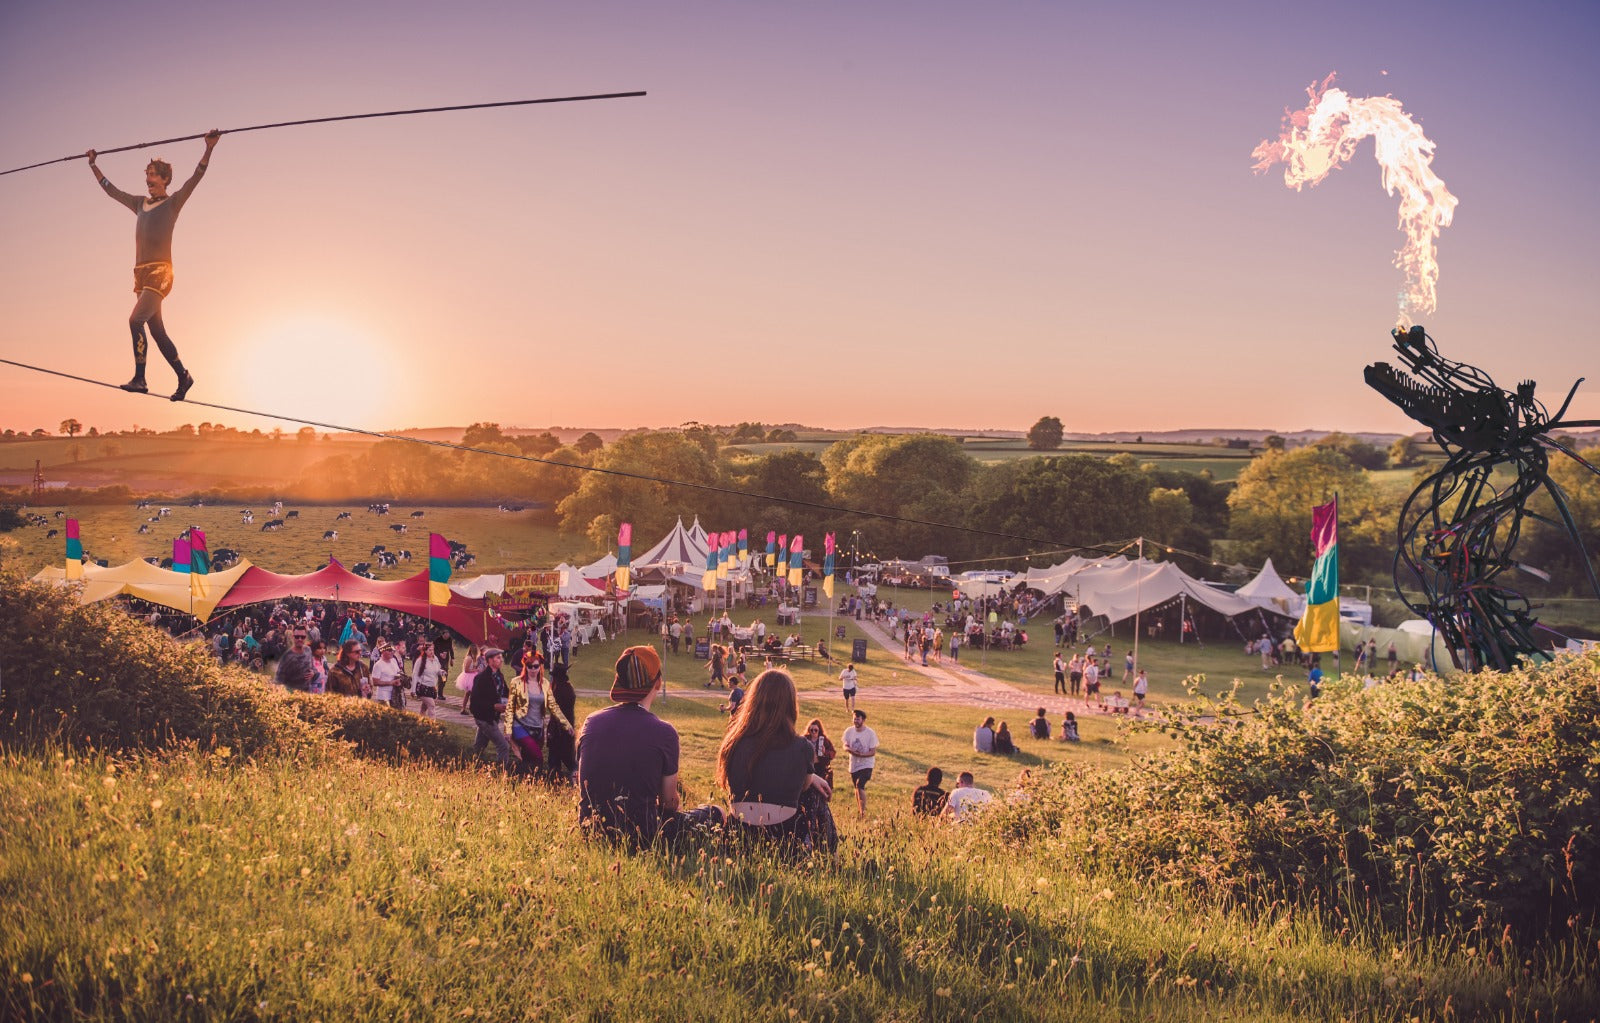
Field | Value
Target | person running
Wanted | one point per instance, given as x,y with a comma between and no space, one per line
861,743
152,271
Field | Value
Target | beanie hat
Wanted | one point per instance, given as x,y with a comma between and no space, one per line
638,672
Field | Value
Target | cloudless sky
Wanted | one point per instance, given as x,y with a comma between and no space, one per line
840,214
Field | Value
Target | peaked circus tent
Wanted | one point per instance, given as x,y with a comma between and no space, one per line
1268,590
1119,588
681,550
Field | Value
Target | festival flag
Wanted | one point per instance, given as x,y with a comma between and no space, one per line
744,546
795,568
624,555
74,551
181,555
348,631
199,556
723,557
827,564
708,581
438,570
1318,631
772,549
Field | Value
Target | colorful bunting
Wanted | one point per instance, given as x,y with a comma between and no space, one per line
744,546
181,555
438,570
772,549
199,556
708,581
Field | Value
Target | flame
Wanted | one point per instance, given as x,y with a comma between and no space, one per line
1316,140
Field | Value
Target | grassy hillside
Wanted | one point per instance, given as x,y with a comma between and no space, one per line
181,874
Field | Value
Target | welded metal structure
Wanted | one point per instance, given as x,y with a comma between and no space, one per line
1458,529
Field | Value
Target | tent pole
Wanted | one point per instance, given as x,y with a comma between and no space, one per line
1138,603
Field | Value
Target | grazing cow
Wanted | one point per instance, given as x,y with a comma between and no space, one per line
463,560
387,560
247,518
142,504
197,503
378,509
341,515
153,561
378,548
457,546
399,527
403,555
153,518
271,525
277,508
223,558
164,563
52,534
144,527
415,514
61,514
292,515
330,534
364,570
164,512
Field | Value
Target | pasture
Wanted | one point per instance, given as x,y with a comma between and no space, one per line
501,540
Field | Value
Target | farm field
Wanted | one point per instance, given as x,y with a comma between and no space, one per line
501,540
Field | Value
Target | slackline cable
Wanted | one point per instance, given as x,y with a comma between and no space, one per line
342,117
710,488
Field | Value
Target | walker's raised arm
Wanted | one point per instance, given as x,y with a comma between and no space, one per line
130,201
200,168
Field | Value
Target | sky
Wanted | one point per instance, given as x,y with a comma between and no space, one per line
838,214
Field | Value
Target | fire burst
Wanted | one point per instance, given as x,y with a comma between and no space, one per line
1319,138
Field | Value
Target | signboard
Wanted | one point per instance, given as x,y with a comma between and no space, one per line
702,648
858,651
533,584
808,597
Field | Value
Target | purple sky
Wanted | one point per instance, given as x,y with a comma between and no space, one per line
840,214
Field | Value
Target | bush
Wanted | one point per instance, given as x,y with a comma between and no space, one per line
1463,801
91,674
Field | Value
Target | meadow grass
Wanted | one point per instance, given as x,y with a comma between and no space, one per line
186,886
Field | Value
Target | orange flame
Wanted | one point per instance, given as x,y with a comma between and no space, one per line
1316,140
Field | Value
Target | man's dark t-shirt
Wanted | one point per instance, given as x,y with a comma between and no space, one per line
929,800
624,752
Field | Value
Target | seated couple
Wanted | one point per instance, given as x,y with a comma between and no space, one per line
628,766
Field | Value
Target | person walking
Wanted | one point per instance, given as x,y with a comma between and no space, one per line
488,702
861,743
427,675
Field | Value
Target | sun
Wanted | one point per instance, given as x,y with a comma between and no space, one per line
316,366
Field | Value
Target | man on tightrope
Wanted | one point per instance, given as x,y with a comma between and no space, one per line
157,215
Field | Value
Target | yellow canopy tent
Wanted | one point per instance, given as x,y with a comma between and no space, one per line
180,591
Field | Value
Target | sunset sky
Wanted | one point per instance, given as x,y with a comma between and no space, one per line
839,214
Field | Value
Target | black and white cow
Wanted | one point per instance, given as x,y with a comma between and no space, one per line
415,514
399,527
341,515
330,534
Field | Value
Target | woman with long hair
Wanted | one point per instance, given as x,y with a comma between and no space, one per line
766,769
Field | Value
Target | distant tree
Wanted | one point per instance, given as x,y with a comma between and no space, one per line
589,443
71,427
538,444
1367,456
93,432
10,518
1273,499
602,501
1273,442
1046,434
277,433
186,430
480,435
1405,452
780,436
306,435
40,432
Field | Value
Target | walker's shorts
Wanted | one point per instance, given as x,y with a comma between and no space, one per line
156,277
860,778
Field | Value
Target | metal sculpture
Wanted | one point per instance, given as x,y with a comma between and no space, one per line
1459,527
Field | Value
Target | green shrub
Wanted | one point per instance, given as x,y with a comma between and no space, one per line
1461,801
92,674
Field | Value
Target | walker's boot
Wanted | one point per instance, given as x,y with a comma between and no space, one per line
137,384
185,381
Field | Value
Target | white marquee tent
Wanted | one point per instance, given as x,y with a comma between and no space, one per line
1268,590
1119,588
